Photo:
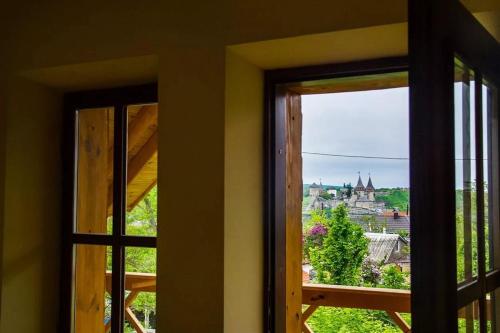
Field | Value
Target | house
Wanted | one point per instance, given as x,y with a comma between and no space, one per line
384,248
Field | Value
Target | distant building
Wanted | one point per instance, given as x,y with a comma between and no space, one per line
392,224
364,197
332,192
387,248
315,190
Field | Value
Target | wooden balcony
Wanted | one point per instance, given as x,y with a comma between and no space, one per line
392,301
135,283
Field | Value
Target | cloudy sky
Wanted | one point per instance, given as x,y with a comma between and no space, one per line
371,123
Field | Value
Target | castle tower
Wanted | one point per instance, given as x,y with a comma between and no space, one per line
370,190
360,188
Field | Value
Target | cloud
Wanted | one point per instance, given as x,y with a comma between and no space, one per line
371,123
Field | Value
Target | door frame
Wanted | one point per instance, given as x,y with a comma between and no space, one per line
275,189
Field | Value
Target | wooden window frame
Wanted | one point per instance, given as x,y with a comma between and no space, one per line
120,99
275,159
440,30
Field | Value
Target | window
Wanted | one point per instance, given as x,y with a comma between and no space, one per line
326,124
111,217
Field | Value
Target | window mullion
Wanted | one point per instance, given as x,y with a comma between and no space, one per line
480,198
119,204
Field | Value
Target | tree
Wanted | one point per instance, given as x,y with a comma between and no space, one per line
339,259
393,278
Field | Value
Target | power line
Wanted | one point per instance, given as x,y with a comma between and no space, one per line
376,157
357,156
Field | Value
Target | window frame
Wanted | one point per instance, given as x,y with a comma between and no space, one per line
120,99
275,170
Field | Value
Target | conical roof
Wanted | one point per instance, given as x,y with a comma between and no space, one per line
359,186
369,187
314,185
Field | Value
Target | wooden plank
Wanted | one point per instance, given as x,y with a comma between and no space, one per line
308,312
357,297
91,218
306,328
293,289
146,156
398,320
132,319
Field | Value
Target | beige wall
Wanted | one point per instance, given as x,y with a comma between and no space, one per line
243,234
32,216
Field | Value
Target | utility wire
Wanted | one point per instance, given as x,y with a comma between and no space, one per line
376,157
357,156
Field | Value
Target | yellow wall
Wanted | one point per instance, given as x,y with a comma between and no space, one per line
243,235
32,216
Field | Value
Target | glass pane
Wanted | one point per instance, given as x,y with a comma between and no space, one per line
140,289
94,170
493,311
142,170
465,173
490,151
92,287
468,318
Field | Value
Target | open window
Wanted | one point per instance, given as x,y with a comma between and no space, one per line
339,238
111,211
452,74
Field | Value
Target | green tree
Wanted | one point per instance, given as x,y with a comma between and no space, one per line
339,259
393,278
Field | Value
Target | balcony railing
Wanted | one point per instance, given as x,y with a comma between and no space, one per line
392,301
135,283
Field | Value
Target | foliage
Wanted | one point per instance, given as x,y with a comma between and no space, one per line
343,320
395,198
326,196
141,220
339,259
393,278
403,233
370,273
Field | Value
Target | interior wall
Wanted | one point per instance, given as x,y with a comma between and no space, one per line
191,190
32,229
243,211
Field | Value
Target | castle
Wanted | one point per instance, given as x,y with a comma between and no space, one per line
360,197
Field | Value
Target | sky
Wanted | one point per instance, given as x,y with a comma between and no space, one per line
370,123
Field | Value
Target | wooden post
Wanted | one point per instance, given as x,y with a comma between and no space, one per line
293,213
92,188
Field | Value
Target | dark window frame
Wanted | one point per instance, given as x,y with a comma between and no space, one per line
120,99
274,170
439,31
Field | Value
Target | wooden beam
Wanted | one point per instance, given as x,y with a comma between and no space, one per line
395,300
147,154
398,320
146,118
91,215
293,288
145,121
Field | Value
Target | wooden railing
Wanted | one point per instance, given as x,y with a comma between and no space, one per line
135,283
392,301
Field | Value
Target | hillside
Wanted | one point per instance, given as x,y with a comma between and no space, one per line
394,198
